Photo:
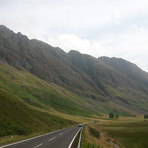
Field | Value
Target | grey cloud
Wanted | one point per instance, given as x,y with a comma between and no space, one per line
112,26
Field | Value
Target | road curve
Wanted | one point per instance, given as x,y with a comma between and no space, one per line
58,139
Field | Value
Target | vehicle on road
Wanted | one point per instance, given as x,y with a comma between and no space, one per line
80,125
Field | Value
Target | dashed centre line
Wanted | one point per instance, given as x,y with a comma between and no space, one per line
61,134
51,139
38,145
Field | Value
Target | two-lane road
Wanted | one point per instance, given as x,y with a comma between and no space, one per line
58,139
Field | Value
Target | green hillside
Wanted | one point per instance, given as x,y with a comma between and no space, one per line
26,102
36,92
16,118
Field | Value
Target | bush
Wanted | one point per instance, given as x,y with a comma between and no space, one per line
116,116
145,116
111,115
94,132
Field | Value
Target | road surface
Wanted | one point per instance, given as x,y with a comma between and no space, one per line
58,139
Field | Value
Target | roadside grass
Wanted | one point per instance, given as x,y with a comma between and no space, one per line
125,132
90,137
130,134
90,145
94,132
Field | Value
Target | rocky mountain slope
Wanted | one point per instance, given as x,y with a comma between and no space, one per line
104,83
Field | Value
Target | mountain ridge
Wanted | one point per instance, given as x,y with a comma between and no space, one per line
102,81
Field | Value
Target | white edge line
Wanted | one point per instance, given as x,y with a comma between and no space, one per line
25,140
79,143
38,145
32,138
74,138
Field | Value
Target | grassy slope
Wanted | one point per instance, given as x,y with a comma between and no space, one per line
19,119
36,92
29,105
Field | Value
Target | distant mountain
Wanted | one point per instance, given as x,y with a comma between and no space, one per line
129,69
105,83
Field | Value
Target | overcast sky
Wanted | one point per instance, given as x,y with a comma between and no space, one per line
114,28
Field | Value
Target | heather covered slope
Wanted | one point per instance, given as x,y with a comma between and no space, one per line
38,93
102,86
128,91
28,104
21,113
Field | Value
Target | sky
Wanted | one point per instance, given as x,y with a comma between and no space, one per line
113,28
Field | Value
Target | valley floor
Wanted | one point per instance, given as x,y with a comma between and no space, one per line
122,133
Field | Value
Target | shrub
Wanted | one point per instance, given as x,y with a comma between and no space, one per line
116,116
94,132
111,115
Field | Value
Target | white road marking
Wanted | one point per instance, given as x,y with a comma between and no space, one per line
74,138
38,145
31,138
61,134
80,138
51,138
28,139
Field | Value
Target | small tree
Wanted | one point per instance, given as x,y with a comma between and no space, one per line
111,115
145,116
116,115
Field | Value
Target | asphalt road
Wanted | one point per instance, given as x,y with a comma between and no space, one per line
58,139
